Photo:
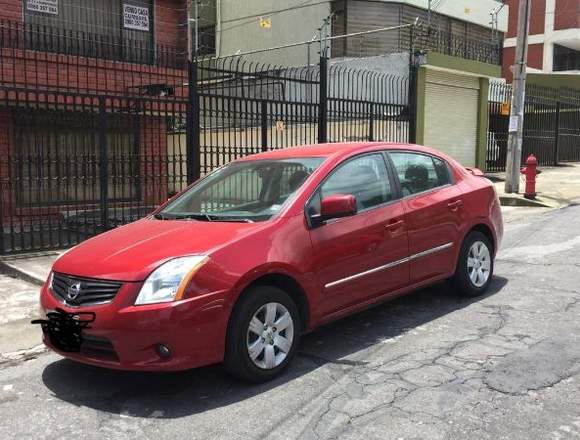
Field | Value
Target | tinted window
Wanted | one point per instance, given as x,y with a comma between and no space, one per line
419,172
364,177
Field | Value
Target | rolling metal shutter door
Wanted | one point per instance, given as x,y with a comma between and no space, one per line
451,106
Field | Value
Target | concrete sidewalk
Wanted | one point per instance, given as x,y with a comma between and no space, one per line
32,268
18,338
556,187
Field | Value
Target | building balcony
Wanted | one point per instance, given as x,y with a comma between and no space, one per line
459,46
425,41
44,58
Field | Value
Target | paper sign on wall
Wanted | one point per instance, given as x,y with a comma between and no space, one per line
135,17
45,6
513,127
505,108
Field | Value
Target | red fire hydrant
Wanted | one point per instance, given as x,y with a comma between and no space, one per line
530,171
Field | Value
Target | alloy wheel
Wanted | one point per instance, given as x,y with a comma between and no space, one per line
478,263
270,335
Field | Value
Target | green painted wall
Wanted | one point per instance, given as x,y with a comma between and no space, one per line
420,112
482,123
459,66
462,65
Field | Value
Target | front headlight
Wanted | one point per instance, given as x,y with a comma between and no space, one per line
168,282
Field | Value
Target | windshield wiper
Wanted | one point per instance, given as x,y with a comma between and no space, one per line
203,217
217,218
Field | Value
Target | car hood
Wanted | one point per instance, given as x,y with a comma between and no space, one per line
133,251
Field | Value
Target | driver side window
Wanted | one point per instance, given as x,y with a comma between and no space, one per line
364,177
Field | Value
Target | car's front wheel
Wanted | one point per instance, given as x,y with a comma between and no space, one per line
474,271
263,334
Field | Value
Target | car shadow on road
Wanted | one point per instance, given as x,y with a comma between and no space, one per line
173,395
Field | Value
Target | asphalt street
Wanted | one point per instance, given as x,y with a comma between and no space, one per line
426,366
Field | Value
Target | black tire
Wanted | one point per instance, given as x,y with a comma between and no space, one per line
237,359
461,280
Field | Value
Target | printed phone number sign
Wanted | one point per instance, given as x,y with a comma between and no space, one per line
45,6
135,17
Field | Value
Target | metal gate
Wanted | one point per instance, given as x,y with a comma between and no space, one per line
74,170
551,125
91,144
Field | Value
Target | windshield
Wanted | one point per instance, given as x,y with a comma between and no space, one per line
242,191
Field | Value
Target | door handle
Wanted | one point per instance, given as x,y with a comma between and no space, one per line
394,225
454,206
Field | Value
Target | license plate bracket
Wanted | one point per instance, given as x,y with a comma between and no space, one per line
64,329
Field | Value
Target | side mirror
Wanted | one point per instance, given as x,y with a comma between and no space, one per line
337,205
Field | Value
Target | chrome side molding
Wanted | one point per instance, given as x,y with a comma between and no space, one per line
389,265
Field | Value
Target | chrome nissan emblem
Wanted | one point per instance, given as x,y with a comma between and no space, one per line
73,291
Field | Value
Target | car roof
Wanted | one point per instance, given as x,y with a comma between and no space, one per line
334,149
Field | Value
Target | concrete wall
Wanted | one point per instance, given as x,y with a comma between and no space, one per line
239,35
287,27
394,63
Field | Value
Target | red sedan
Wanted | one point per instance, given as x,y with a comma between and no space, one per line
238,266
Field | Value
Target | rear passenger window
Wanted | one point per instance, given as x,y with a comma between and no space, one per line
419,172
442,171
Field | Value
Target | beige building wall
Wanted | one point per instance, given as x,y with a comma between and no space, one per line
286,27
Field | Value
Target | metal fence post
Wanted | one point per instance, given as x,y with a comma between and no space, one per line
2,248
323,101
371,121
264,125
557,134
103,163
412,92
193,150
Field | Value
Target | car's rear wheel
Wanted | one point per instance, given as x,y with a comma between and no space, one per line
263,334
474,271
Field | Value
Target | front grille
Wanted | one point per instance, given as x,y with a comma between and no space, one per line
75,291
97,347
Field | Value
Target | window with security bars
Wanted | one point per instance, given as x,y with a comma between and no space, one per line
56,158
111,29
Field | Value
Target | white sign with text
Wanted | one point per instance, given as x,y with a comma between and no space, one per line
135,17
45,6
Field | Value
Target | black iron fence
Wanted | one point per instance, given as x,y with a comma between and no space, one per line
459,46
89,144
551,125
43,38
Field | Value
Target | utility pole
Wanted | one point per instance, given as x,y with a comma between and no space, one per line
429,14
516,124
189,32
192,29
192,121
196,28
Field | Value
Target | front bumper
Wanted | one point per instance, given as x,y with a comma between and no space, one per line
124,336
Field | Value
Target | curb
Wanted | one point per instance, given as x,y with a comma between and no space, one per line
14,272
521,201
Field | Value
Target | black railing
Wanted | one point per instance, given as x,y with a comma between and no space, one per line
249,107
35,58
80,159
459,46
86,44
551,125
